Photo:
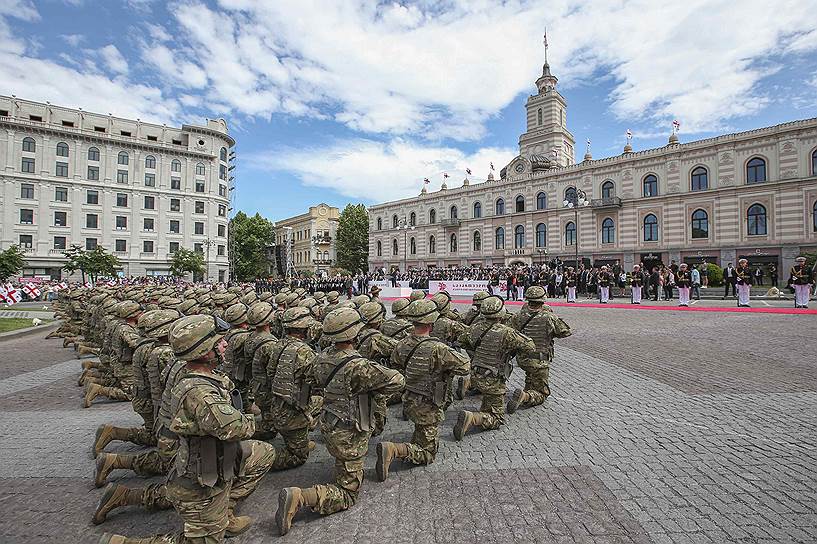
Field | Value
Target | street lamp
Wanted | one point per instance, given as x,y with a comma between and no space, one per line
576,200
405,227
542,254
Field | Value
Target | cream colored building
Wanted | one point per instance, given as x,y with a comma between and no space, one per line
139,190
312,238
751,194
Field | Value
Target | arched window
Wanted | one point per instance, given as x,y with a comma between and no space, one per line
477,238
379,223
608,189
413,246
756,170
62,149
539,116
432,217
150,161
814,216
500,238
700,224
29,145
519,237
432,245
570,234
699,179
122,158
756,220
93,154
223,154
379,248
570,195
452,212
500,206
394,221
520,204
394,248
477,210
608,231
650,185
176,166
541,235
200,169
814,163
452,243
412,219
650,228
541,201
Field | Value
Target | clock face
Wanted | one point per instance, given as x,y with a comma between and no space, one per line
520,168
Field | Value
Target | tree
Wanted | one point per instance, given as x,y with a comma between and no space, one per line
249,239
352,245
186,260
95,263
11,262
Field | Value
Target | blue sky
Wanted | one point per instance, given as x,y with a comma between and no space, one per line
359,101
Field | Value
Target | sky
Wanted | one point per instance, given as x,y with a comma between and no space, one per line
352,101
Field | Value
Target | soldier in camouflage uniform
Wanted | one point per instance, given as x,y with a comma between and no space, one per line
473,312
332,301
375,346
447,328
417,294
349,381
236,363
397,327
542,326
257,348
429,365
216,466
493,345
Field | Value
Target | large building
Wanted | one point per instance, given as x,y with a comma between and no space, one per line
140,190
750,194
311,239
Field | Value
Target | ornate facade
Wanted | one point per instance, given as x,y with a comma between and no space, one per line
312,239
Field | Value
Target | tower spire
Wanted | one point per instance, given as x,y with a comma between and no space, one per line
546,46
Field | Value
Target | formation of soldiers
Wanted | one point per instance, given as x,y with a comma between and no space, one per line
216,376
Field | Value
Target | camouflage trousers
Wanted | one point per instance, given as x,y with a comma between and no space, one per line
426,438
123,372
293,426
536,380
348,447
493,400
158,461
144,407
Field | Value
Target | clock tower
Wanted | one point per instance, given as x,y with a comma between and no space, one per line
547,122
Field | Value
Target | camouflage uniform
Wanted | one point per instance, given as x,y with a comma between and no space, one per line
236,363
376,346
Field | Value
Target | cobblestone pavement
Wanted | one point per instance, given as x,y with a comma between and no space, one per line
662,427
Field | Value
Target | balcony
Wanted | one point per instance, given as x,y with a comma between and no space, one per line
452,222
56,251
322,262
609,202
322,240
27,250
515,252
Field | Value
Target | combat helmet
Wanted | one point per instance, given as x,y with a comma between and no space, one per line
493,307
194,336
398,307
188,307
250,298
129,309
442,300
265,296
320,296
422,311
297,317
417,294
157,323
260,314
372,313
479,296
535,293
236,314
332,296
342,325
360,300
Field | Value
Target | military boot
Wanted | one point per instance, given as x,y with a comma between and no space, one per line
518,398
237,524
82,377
116,496
461,387
94,390
107,462
90,364
109,538
105,434
386,453
465,421
290,500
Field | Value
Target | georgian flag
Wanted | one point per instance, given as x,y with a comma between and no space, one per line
3,294
31,290
468,171
13,296
61,285
445,175
87,284
426,181
676,125
111,283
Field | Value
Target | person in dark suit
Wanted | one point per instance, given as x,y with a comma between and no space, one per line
654,281
730,278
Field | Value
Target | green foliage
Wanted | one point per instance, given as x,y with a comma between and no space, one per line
249,238
715,275
186,260
11,262
95,263
352,245
811,258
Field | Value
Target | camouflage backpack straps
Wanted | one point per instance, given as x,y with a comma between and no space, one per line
419,379
283,382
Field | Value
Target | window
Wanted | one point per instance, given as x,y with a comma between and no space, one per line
220,250
477,210
61,170
121,222
198,247
60,219
500,238
650,185
147,246
608,189
699,179
200,169
222,154
519,237
125,132
59,242
174,226
26,190
91,196
150,161
26,216
814,163
91,221
174,247
61,194
199,206
90,244
67,123
198,227
222,190
222,210
814,216
62,149
99,129
539,116
756,220
26,240
379,248
122,200
570,234
222,231
176,166
222,172
394,221
432,217
148,224
93,154
412,246
93,173
121,246
175,204
756,170
432,244
650,228
608,231
700,224
500,206
27,166
29,145
412,219
541,201
176,184
394,248
379,223
150,203
477,241
121,176
452,243
453,212
38,118
541,235
520,204
177,142
153,138
150,180
122,158
199,186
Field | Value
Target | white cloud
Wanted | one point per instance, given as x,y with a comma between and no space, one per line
73,39
379,171
183,73
113,59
